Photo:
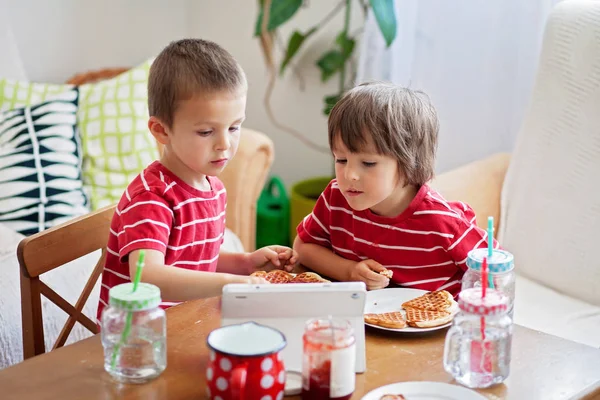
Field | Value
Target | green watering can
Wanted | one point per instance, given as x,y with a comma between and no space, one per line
273,215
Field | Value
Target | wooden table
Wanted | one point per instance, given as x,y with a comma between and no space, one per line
543,367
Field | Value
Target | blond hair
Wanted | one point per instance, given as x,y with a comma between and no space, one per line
401,122
189,67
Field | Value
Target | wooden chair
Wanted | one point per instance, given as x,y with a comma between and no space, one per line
49,250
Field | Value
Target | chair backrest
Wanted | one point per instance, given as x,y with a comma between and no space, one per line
551,196
48,250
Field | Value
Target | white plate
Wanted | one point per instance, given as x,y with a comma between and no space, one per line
425,391
388,300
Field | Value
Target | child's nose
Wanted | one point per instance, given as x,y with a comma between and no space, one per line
351,174
223,142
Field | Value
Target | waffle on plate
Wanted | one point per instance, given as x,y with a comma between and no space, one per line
393,320
426,311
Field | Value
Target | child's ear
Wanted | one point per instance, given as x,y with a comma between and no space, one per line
159,130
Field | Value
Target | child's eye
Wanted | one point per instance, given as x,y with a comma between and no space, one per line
234,128
340,161
369,164
204,133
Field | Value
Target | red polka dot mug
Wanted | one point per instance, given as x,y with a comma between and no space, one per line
245,363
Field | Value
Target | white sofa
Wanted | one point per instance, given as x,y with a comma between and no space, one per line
548,200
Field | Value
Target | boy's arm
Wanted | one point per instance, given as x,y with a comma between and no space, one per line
323,261
234,263
179,284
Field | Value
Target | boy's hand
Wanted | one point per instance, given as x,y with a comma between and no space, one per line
273,257
368,271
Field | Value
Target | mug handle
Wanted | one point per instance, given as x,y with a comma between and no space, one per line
238,381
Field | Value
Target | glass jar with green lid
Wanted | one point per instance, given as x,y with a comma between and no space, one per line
134,333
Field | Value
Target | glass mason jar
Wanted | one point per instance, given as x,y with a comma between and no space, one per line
134,333
501,268
478,344
329,360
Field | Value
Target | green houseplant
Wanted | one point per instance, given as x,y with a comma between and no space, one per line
335,61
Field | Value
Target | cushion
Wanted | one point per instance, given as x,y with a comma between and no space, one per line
14,93
40,165
113,121
541,308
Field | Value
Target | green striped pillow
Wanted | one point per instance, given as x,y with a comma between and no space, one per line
113,124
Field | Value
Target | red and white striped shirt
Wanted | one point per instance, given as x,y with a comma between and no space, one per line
426,246
159,211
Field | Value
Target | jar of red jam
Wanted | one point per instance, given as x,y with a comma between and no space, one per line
329,360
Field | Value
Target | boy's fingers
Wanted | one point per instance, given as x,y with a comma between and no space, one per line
374,265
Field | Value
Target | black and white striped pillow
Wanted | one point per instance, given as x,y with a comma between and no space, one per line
40,165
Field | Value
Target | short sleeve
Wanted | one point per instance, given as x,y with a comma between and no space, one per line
145,223
314,228
467,236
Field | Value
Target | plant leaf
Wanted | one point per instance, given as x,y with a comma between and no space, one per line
330,101
386,19
281,11
294,44
330,63
346,44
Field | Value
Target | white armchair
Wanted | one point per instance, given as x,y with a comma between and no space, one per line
548,202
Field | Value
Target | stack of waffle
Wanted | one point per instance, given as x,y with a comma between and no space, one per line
427,311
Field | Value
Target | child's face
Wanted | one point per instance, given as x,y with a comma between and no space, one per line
204,135
368,180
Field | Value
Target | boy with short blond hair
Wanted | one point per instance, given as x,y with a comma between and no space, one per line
379,213
175,209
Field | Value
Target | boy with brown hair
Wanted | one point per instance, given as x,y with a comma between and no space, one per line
175,209
379,213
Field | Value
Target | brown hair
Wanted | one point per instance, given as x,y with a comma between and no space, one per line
401,122
186,68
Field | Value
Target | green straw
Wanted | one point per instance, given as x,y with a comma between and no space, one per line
490,231
128,319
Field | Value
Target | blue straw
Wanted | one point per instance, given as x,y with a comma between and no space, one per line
490,231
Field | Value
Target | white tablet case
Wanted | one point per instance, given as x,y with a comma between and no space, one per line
287,307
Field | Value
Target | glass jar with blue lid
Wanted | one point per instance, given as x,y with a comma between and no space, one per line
501,272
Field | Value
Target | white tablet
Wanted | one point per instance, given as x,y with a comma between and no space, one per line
287,307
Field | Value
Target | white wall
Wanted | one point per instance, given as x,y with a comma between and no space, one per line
59,38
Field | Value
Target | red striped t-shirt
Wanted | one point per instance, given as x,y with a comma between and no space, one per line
160,211
426,246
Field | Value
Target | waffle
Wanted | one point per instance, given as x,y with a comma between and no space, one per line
426,318
393,320
440,300
392,397
279,276
308,277
387,273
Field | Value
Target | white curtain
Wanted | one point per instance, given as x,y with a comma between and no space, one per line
475,59
11,65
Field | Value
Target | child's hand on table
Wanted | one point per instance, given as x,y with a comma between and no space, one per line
368,271
273,257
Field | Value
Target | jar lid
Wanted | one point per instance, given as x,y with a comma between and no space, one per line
494,303
146,297
500,261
